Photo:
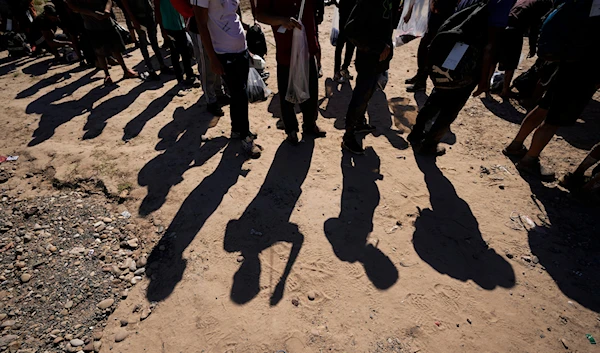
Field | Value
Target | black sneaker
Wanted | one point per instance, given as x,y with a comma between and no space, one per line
350,144
534,167
253,150
417,87
167,70
510,151
416,78
314,130
365,128
153,76
215,109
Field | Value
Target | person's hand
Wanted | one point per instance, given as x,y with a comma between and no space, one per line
217,67
385,53
291,23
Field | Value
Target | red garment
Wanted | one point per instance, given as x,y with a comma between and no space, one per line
183,7
291,8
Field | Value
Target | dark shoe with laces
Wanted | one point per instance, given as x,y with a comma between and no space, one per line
236,135
572,182
350,144
533,167
215,109
314,130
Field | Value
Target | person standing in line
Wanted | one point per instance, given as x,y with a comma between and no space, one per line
283,17
440,11
224,40
372,59
570,90
525,16
103,34
173,28
141,13
341,73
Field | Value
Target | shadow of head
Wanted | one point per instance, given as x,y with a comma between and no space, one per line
448,238
348,234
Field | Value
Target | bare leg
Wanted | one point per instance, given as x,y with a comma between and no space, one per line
592,158
531,122
540,140
508,76
103,64
127,73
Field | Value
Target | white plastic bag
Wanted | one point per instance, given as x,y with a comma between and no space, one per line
298,91
257,89
335,27
416,25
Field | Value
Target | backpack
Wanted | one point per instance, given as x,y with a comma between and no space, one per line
467,26
17,44
257,44
568,33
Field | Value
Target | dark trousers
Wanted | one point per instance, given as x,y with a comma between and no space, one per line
236,68
148,35
178,44
343,40
309,108
446,104
433,25
368,68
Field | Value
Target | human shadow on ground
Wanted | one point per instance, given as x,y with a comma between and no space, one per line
48,81
165,263
348,234
275,110
582,135
135,126
266,221
566,243
338,98
54,115
97,120
447,236
184,147
9,64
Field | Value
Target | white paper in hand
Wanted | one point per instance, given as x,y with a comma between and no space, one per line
595,9
455,55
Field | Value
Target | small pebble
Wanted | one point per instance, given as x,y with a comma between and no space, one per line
106,303
121,335
312,295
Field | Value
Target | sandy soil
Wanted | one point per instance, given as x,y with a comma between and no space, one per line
309,249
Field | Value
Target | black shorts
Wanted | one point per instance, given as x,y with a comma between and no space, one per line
569,92
106,41
511,44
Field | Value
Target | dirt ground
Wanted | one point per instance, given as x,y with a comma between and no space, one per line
309,249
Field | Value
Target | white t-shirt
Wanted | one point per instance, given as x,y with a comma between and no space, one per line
224,25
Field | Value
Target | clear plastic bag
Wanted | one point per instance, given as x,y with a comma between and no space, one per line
335,27
257,89
416,25
298,91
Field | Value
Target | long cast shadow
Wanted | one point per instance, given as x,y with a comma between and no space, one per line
448,238
338,98
181,153
165,262
135,126
97,120
349,232
49,81
266,222
568,247
55,115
